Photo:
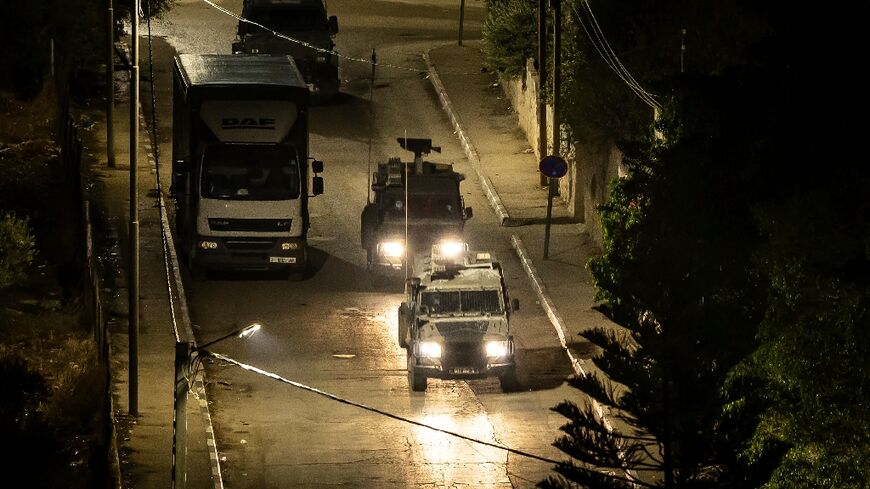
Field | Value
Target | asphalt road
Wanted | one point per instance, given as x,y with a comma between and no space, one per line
336,331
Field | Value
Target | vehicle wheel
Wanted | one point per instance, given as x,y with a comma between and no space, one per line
403,326
509,381
416,381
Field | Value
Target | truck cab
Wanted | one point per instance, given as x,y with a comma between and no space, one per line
272,22
413,204
455,320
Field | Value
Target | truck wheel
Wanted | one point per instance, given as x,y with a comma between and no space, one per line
416,381
509,381
403,326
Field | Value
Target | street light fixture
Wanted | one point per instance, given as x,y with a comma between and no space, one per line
184,361
244,332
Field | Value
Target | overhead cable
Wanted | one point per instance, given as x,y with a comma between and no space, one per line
602,46
342,400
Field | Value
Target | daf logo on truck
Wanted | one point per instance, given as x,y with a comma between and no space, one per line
241,173
248,123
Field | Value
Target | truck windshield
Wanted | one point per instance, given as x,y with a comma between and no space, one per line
285,19
461,302
250,172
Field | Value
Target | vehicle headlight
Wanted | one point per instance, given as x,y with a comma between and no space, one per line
430,349
451,249
393,249
208,245
497,349
320,58
289,246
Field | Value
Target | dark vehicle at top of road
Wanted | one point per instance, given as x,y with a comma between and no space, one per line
306,22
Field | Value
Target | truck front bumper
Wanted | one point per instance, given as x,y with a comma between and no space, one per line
249,254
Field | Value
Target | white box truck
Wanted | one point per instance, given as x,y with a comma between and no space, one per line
241,174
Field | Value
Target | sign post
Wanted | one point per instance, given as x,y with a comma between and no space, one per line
553,167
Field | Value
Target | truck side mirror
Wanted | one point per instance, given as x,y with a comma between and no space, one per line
333,24
469,213
515,304
317,166
317,185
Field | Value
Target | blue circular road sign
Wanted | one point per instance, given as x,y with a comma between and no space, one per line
553,166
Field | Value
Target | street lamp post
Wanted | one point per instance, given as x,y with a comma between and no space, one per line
185,354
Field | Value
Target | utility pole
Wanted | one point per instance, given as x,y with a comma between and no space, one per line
133,274
542,80
183,377
110,85
461,19
682,51
557,82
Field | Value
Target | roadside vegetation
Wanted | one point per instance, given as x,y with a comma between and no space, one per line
53,423
736,250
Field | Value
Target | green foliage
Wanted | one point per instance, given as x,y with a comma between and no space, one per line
51,413
510,33
816,334
28,446
676,272
16,250
737,256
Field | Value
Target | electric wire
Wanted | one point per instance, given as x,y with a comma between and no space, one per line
342,400
606,44
396,417
612,61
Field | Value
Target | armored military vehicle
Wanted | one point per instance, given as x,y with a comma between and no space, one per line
415,204
455,320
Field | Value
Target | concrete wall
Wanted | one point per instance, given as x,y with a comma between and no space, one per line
591,167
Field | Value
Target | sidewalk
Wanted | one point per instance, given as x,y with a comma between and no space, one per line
508,171
144,441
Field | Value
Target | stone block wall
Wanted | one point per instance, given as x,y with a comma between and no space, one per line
591,167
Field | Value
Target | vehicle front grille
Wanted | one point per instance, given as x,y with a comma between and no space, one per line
453,327
250,244
256,225
463,354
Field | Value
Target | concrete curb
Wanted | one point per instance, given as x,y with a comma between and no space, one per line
465,142
185,331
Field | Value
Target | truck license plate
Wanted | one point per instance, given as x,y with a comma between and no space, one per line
282,259
463,370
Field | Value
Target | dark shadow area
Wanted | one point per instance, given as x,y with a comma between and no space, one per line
528,221
543,368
